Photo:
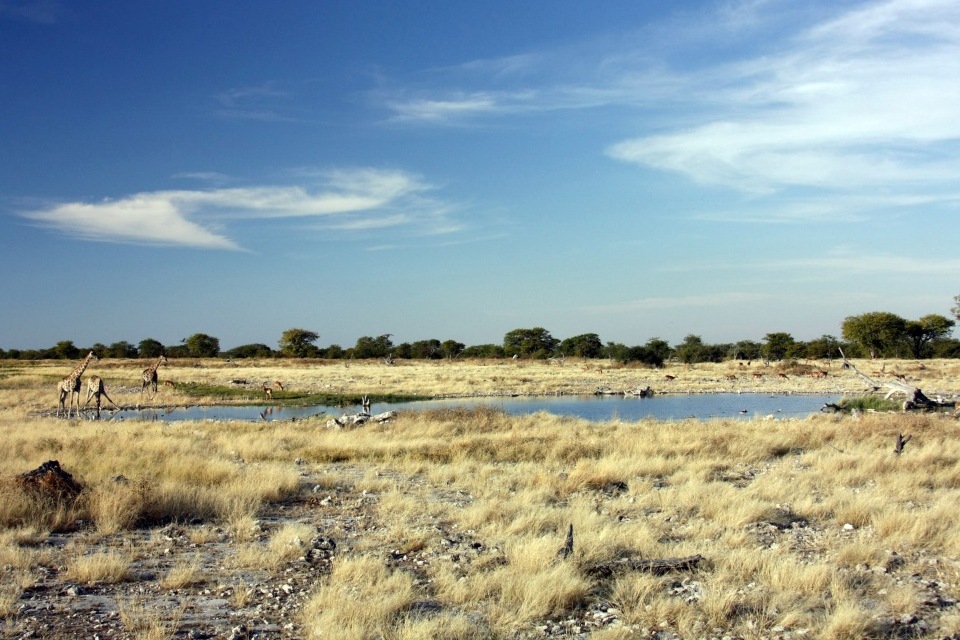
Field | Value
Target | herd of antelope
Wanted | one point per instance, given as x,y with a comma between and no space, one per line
817,374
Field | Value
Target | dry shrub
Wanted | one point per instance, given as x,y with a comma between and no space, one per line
147,621
116,505
184,573
24,508
848,620
102,567
360,599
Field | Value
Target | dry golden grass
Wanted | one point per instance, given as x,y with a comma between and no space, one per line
147,622
186,573
360,599
811,526
100,567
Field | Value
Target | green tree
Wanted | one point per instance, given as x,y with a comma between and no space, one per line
403,350
65,350
334,352
150,348
451,349
747,350
200,345
255,350
955,309
877,332
530,343
586,345
426,350
660,350
824,347
368,347
298,343
483,351
652,353
942,348
777,346
919,333
122,349
691,349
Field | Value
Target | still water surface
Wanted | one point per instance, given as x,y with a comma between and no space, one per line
593,408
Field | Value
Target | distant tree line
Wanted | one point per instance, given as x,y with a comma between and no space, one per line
874,334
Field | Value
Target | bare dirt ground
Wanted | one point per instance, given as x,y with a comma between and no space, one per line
230,601
222,600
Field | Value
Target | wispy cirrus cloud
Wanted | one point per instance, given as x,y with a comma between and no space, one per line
865,100
827,100
270,101
35,11
660,303
352,199
841,259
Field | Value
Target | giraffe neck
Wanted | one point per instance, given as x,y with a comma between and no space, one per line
82,367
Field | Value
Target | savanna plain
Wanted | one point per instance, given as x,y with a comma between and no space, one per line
471,523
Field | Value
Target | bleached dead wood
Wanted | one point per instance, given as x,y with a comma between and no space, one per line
357,419
915,398
639,393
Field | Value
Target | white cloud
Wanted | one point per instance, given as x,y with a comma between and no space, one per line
142,218
866,100
346,199
759,96
436,110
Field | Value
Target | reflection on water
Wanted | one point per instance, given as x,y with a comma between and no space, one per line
593,408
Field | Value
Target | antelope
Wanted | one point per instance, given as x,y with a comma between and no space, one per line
819,374
169,383
669,377
731,376
783,376
757,375
268,389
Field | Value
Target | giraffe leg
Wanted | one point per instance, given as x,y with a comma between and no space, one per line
110,399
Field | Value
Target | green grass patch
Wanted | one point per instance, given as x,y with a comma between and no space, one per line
869,403
242,395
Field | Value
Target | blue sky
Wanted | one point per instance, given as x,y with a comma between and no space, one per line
439,169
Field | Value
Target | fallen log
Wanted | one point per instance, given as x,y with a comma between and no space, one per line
915,398
357,419
656,567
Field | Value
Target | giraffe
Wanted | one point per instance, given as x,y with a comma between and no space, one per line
149,377
96,388
70,386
